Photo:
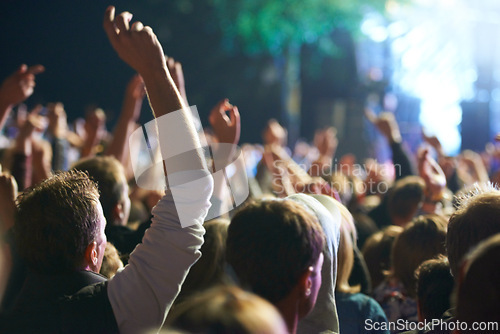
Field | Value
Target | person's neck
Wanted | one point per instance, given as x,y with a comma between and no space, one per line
289,310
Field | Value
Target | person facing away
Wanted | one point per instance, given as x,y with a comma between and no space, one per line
275,249
60,225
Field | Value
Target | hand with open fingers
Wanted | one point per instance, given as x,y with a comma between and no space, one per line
136,45
19,85
226,128
175,69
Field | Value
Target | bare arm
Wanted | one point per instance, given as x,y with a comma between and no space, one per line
131,110
143,292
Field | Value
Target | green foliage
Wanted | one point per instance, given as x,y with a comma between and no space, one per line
270,26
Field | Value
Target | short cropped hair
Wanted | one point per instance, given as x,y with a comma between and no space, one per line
422,239
56,221
476,218
405,196
109,175
434,287
270,244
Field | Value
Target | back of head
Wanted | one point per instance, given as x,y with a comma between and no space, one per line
208,271
226,309
377,252
270,244
109,175
434,288
405,197
478,293
422,239
56,221
476,219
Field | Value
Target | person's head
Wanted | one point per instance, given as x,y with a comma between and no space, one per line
60,225
434,288
208,271
422,239
477,296
111,262
226,309
405,198
377,252
275,249
476,219
109,175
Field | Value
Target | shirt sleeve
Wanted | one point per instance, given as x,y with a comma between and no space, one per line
142,294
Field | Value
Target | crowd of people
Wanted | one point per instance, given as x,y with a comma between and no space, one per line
322,244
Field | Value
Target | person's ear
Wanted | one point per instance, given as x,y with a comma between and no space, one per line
118,213
91,256
306,283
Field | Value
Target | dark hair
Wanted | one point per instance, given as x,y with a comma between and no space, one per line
405,196
109,175
477,294
434,287
476,219
421,240
270,244
56,221
208,271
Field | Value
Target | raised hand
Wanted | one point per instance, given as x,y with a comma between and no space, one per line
274,134
434,142
19,85
326,142
433,175
134,95
226,129
17,88
136,45
33,122
58,124
386,124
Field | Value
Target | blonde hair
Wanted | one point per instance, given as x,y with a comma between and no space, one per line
227,309
111,261
346,251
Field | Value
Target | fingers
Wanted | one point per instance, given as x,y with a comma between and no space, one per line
137,26
122,22
234,116
370,115
36,69
109,24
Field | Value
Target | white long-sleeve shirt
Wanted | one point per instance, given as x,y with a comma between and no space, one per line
144,291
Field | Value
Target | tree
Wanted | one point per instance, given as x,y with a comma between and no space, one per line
280,28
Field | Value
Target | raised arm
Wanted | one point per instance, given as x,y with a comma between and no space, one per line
144,291
17,88
131,110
